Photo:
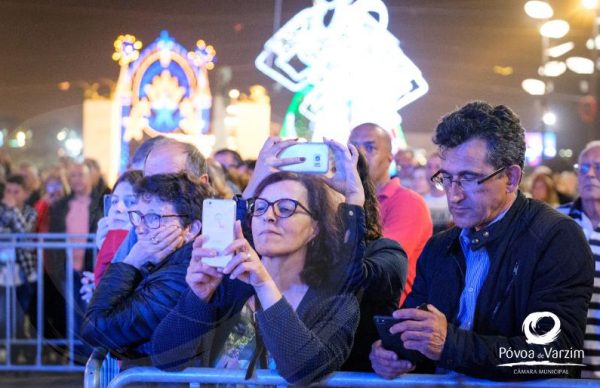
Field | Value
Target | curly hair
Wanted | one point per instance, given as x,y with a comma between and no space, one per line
324,250
371,206
498,126
182,190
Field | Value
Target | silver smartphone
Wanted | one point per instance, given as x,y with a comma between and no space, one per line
218,221
316,158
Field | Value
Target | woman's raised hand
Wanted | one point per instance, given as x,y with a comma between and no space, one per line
267,162
153,248
247,267
346,179
245,264
201,278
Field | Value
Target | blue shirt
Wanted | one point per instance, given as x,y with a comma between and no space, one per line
478,265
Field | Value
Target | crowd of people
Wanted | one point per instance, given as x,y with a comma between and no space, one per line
460,249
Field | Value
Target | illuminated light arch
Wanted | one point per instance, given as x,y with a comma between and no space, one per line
356,67
163,90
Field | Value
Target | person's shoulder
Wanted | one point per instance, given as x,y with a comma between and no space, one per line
29,210
182,255
544,219
382,243
541,212
442,240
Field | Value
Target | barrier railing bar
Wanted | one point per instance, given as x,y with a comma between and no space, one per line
8,318
337,379
70,306
32,341
39,324
54,245
43,368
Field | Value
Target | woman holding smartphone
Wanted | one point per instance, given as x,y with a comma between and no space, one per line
273,306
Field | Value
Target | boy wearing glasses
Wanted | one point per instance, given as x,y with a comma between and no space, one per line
506,258
585,210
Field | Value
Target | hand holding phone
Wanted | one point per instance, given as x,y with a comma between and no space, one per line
218,219
394,342
316,158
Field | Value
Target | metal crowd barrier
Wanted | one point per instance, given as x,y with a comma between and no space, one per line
102,371
196,376
41,242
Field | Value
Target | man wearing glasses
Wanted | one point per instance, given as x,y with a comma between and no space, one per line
506,258
585,210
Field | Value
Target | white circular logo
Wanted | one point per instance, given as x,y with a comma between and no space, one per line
530,328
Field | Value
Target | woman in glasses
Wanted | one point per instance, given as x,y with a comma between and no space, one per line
272,306
134,295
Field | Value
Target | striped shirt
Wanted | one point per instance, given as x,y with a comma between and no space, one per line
591,343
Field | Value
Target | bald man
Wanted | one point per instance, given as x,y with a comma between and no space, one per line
167,156
404,214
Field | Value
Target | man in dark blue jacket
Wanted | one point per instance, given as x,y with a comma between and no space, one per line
508,287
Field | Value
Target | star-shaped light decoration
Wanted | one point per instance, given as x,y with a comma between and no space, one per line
127,49
204,55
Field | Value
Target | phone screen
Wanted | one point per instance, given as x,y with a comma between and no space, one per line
107,202
218,220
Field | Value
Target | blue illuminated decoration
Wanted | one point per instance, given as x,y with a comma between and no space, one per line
163,90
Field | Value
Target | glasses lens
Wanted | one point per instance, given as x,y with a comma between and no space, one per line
259,207
445,180
152,220
469,184
584,168
135,218
285,207
438,182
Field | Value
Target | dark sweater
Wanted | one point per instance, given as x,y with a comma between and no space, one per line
384,274
306,344
376,273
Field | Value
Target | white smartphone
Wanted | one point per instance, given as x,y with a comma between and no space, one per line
218,220
316,158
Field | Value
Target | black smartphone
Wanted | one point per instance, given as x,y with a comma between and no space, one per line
393,342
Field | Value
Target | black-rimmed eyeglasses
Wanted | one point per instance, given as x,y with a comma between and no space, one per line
283,208
151,220
467,181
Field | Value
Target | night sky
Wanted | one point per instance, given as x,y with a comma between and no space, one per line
455,43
